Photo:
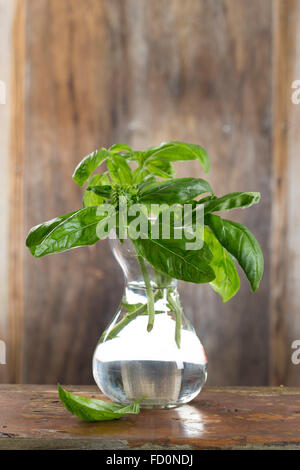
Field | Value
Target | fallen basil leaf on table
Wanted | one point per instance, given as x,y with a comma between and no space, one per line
90,409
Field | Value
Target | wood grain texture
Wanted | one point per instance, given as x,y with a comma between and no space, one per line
6,19
281,77
16,225
32,417
143,72
285,324
225,104
70,107
293,265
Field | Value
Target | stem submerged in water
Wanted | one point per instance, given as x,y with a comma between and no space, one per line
149,292
127,319
176,307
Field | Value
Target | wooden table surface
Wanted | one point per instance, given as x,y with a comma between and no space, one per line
32,417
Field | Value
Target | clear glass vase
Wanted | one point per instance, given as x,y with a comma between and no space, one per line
162,360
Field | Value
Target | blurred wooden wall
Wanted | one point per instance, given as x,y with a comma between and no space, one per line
88,73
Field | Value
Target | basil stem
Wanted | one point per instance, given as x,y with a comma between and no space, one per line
127,319
176,307
149,293
161,280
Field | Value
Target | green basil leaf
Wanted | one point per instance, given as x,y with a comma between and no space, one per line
119,170
103,191
117,148
90,198
176,151
39,232
89,164
177,190
231,201
78,228
141,174
241,243
136,156
90,409
227,281
160,168
170,257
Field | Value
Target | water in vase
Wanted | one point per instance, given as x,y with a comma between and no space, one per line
130,362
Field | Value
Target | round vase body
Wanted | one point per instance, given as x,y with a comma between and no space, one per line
167,365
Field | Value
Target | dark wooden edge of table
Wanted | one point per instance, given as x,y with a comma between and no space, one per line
32,417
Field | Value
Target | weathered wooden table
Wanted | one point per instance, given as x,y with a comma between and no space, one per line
32,417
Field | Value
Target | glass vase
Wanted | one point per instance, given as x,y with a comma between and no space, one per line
159,358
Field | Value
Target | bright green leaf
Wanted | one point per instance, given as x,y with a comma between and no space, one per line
231,201
241,243
102,191
119,170
89,164
161,168
72,230
90,409
91,198
116,148
140,175
227,281
177,190
176,151
171,258
41,231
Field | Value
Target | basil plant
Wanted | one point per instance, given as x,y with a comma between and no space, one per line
147,177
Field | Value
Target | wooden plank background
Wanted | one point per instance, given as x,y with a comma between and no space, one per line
285,320
7,18
103,71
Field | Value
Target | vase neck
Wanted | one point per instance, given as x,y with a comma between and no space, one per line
163,283
136,293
